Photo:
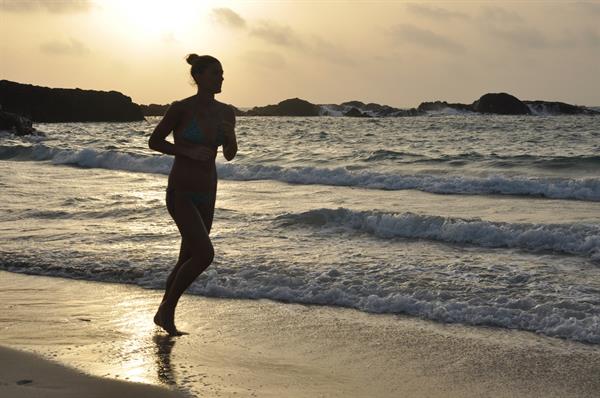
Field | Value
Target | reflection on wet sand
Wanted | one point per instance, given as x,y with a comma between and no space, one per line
163,347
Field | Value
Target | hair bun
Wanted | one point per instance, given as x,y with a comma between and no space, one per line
192,58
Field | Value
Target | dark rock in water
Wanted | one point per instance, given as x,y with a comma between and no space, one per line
17,124
500,103
354,104
289,107
237,111
408,112
558,108
43,104
154,109
441,105
395,112
353,112
386,110
160,110
360,109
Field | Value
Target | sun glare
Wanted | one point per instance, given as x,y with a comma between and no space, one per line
158,18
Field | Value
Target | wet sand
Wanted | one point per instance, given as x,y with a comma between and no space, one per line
260,348
27,375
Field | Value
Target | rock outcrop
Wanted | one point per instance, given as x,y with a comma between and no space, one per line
500,103
289,107
354,112
154,109
366,110
237,111
558,108
43,104
439,106
17,124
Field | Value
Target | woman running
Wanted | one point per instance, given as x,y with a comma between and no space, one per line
200,124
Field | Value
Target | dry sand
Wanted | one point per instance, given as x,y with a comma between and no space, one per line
260,348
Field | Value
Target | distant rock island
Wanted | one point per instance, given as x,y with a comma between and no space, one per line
42,104
500,103
506,104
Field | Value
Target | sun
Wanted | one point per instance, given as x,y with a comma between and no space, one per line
152,19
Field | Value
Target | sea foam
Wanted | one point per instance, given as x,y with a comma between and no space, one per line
538,311
587,189
578,239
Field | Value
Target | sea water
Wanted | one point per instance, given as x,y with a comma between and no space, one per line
476,219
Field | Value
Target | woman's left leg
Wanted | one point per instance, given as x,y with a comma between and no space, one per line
184,255
207,212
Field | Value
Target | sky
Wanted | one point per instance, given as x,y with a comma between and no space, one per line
389,52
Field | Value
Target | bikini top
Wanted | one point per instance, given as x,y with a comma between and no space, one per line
194,134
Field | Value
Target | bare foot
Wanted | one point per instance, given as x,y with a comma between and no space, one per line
164,319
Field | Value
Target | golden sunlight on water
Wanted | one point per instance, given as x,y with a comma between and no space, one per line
135,348
139,352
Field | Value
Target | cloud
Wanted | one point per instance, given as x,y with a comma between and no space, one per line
282,36
52,6
587,7
530,38
277,34
491,14
72,47
317,47
332,52
523,37
434,12
510,27
426,38
591,37
229,18
266,59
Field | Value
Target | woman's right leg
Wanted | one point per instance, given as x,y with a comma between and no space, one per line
207,212
195,239
184,255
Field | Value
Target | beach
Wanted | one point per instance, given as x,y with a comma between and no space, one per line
260,348
435,256
381,200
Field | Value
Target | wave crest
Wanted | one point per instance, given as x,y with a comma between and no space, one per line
578,239
587,189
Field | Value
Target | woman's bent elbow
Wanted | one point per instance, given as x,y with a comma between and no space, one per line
229,156
152,144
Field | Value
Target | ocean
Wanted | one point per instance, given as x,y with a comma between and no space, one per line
482,220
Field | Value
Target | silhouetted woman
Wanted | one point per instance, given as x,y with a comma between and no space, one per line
200,124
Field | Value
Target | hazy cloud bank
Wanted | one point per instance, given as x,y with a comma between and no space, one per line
52,6
414,35
70,47
435,12
282,36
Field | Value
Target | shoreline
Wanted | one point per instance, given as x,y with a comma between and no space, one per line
262,348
